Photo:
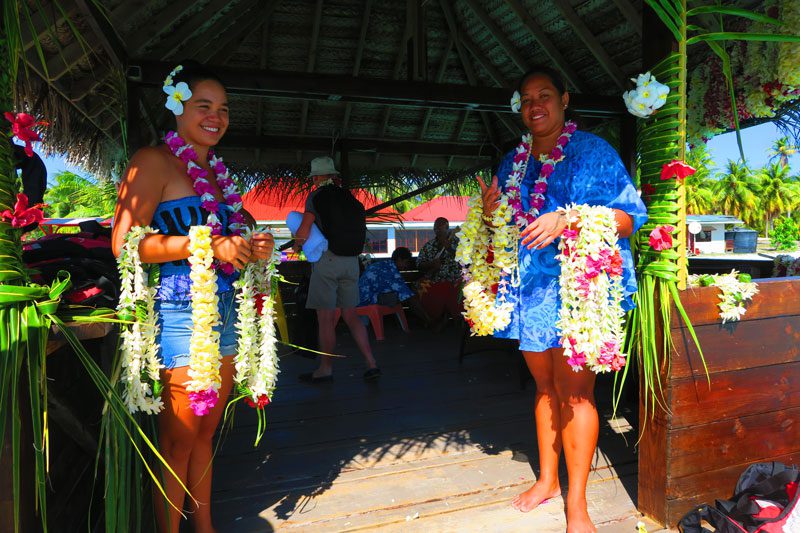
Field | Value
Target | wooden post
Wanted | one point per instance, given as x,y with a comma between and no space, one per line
132,118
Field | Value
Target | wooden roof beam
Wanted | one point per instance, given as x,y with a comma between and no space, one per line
44,22
99,23
158,24
498,34
262,62
438,79
276,84
591,42
234,38
174,42
323,144
362,38
631,15
468,70
310,65
547,45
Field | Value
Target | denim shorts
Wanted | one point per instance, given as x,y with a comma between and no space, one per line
175,323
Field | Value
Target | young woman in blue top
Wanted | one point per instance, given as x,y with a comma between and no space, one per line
591,173
157,191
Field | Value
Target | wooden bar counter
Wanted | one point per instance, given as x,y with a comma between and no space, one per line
749,413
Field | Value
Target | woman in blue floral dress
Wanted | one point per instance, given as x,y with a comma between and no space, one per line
590,173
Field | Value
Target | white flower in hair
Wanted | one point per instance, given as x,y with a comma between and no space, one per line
176,95
516,102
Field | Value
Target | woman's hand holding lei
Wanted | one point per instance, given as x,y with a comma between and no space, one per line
490,196
544,230
262,246
232,249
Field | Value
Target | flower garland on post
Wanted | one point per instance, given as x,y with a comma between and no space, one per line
735,290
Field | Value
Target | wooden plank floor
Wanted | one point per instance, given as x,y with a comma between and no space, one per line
433,446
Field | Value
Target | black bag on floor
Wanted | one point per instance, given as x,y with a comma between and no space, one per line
765,501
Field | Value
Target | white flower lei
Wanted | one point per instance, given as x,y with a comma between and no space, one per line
591,316
733,292
256,361
140,364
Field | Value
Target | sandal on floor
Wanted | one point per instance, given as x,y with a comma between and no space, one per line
308,377
372,374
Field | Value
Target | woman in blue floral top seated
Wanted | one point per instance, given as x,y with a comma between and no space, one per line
381,283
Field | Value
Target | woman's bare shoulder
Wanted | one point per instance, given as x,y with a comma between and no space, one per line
150,163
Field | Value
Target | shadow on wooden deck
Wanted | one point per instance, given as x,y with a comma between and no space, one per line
433,446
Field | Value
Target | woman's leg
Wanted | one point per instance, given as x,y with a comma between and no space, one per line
579,435
179,434
200,461
548,433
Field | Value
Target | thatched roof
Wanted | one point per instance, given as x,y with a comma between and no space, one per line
422,83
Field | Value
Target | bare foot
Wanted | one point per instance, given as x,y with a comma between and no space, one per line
578,519
539,493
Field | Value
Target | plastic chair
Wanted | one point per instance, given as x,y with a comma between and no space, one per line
376,312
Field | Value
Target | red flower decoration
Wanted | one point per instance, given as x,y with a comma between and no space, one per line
21,125
648,190
490,256
22,214
676,169
263,401
661,238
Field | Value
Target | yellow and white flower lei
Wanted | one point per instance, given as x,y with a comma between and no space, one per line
485,311
256,360
140,364
591,319
205,359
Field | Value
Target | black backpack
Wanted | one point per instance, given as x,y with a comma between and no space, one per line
342,220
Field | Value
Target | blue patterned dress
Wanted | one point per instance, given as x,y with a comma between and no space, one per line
591,173
380,277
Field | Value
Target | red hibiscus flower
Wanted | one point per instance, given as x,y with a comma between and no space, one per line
21,125
615,264
676,169
263,401
22,214
648,190
661,238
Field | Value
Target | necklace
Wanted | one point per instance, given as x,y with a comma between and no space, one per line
519,167
199,176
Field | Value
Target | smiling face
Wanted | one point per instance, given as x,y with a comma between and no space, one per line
205,115
542,106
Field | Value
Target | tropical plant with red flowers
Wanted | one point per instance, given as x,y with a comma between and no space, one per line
22,215
22,125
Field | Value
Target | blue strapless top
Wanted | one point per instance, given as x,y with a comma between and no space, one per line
175,217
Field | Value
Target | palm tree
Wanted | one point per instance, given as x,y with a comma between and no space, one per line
735,193
782,149
776,192
699,195
75,196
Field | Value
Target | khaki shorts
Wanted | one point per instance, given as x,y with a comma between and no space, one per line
334,282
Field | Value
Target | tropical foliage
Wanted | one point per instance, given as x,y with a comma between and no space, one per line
785,235
71,195
662,138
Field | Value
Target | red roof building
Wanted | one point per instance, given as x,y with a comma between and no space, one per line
453,208
272,206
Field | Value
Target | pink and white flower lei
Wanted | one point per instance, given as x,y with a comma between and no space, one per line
519,167
236,223
591,318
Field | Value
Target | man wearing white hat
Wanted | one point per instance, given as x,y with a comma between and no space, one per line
334,278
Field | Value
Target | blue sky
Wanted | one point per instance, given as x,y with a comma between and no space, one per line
756,140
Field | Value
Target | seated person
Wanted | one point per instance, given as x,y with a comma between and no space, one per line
381,283
439,288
